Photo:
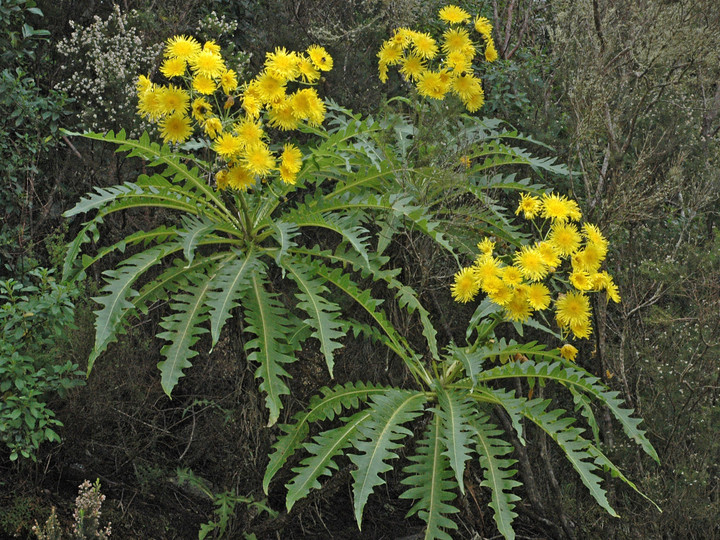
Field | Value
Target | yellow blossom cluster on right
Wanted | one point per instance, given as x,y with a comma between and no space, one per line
560,269
235,117
414,53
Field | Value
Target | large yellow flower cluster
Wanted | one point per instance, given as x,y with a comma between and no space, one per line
235,118
446,68
567,259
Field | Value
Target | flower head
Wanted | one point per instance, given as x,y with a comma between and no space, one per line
320,58
182,47
568,352
175,128
465,286
453,15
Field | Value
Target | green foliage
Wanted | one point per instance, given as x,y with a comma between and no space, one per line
34,317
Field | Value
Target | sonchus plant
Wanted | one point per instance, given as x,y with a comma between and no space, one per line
242,215
248,213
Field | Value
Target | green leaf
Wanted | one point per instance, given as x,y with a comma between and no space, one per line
323,314
377,439
324,406
115,304
571,375
194,230
456,431
576,448
497,474
432,484
183,329
228,286
322,450
265,317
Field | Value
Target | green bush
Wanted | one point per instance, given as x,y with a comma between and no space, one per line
35,318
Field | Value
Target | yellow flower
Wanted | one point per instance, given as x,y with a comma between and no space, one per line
538,295
465,287
173,99
307,69
149,104
201,109
228,81
307,105
457,40
270,88
221,179
203,84
249,132
182,47
549,254
424,45
281,116
572,308
565,238
491,53
259,160
475,102
613,292
486,246
291,158
486,268
466,86
252,105
211,46
227,145
412,66
529,205
175,128
453,14
560,208
499,292
212,127
390,53
589,258
530,262
382,72
483,27
282,64
238,177
143,84
431,84
173,67
512,276
568,352
518,308
581,280
594,236
459,61
581,329
207,63
320,58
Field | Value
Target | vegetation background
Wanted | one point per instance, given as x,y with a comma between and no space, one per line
627,93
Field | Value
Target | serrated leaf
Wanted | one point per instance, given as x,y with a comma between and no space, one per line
265,317
377,440
322,450
228,286
323,314
457,413
323,406
183,330
432,484
497,473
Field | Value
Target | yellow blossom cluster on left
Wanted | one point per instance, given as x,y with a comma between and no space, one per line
204,95
443,68
560,269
